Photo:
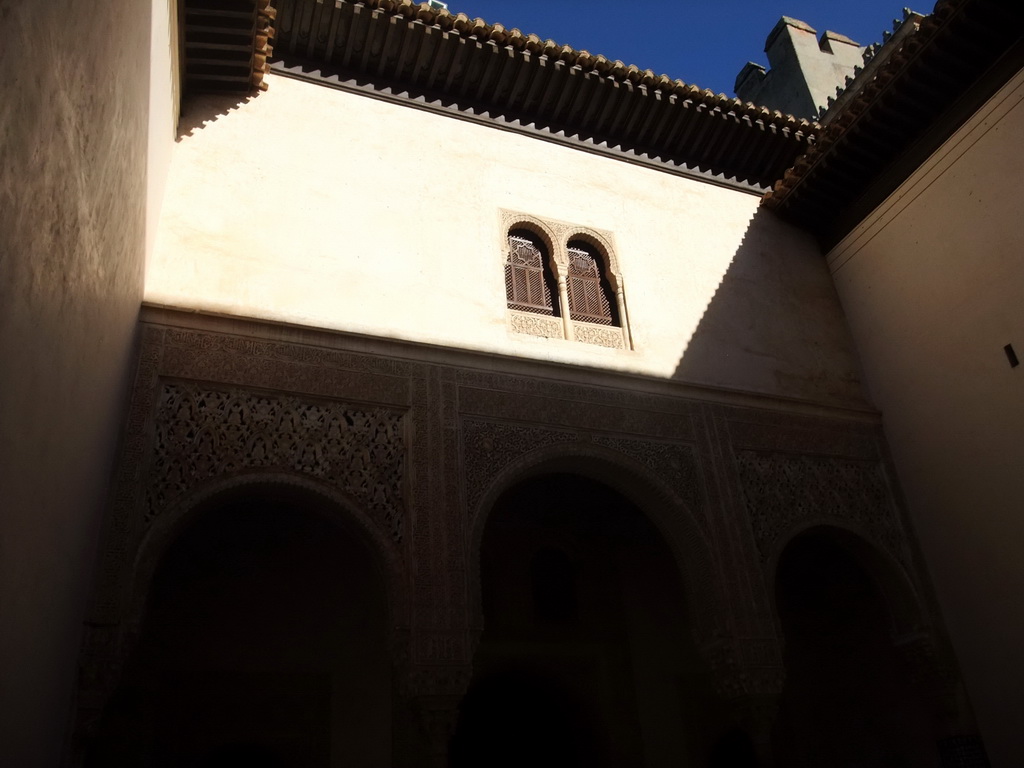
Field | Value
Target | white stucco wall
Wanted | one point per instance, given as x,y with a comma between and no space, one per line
933,285
73,156
164,100
319,207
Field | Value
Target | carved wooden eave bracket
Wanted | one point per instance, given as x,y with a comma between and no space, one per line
913,93
262,48
427,55
227,44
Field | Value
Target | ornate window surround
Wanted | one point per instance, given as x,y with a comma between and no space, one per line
556,236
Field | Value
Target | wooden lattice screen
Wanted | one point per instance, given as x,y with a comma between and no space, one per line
590,295
527,276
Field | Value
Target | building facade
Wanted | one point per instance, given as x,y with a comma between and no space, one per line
480,411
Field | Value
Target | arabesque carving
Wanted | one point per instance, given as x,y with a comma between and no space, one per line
674,463
490,447
201,433
536,325
744,668
784,490
600,335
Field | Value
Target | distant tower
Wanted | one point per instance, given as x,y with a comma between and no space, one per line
805,71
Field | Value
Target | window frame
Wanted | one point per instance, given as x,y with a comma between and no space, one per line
535,279
593,291
608,328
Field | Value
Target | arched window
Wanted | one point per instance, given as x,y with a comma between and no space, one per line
590,294
529,282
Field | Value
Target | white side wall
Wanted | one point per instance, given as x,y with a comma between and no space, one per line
164,100
933,286
315,206
73,190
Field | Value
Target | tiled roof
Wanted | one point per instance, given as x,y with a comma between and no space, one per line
893,115
432,52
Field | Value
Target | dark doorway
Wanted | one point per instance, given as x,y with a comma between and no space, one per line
243,756
586,657
523,715
263,644
848,699
734,749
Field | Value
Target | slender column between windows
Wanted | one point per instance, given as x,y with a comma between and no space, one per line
620,303
563,301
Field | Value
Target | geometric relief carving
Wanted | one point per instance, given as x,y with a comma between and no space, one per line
204,432
490,447
783,489
674,463
745,667
600,335
963,752
552,328
536,325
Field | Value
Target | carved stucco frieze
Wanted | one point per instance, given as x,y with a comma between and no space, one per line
491,447
547,327
675,463
203,433
746,667
233,350
536,325
784,492
793,433
669,416
438,680
600,335
439,561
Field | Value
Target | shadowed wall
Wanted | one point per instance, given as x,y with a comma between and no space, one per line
73,128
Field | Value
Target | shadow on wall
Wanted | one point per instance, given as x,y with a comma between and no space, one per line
201,109
774,324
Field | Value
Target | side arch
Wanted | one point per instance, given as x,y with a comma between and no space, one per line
861,651
908,616
326,501
672,517
338,537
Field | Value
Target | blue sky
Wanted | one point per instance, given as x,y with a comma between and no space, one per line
702,42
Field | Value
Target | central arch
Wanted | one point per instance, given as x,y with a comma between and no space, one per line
591,577
662,505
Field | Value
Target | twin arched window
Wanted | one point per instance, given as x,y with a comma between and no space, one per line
530,284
